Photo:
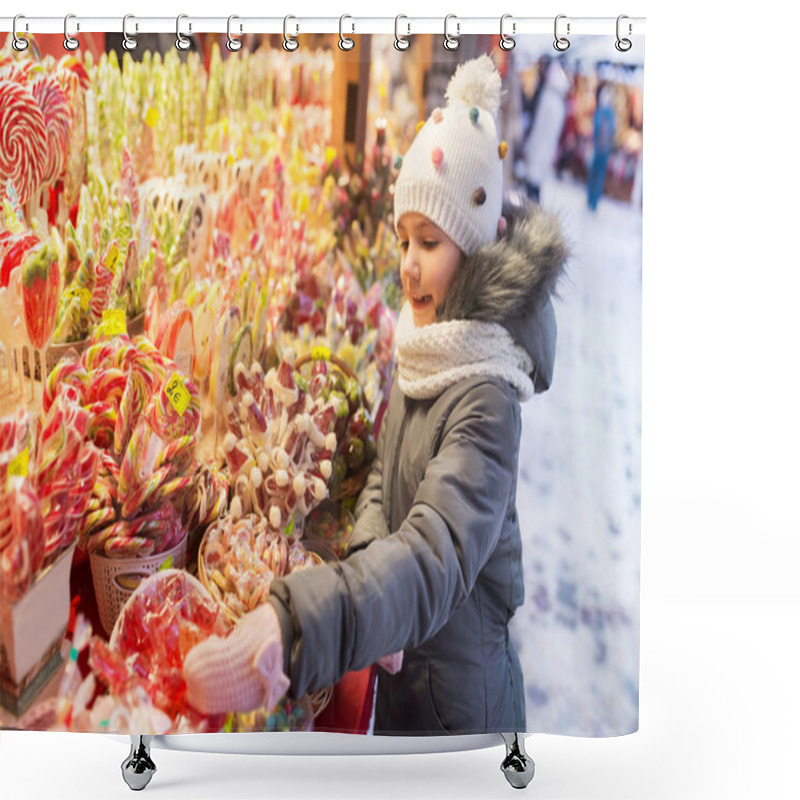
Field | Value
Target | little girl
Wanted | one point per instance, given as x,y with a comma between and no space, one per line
434,570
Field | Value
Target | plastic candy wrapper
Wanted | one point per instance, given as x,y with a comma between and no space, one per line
162,621
353,427
66,469
144,416
279,444
40,285
22,540
240,558
206,498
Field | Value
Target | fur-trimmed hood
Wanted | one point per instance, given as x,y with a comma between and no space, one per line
511,281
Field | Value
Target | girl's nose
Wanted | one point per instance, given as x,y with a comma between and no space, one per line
410,265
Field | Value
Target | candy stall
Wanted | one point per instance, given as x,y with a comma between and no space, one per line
197,297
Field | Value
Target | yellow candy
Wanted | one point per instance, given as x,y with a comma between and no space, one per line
502,150
420,125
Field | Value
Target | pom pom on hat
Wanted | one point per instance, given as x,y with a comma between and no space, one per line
476,83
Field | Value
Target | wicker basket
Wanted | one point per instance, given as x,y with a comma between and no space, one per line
351,486
319,700
116,579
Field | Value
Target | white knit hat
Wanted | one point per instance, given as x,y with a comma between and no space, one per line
453,173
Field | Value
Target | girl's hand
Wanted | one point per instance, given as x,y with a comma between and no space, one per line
241,672
392,663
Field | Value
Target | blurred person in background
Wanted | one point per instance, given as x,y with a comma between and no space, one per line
605,126
541,146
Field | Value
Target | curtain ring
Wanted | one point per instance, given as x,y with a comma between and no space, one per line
506,42
451,42
233,44
19,43
345,42
561,43
623,45
182,43
289,44
128,42
401,42
70,42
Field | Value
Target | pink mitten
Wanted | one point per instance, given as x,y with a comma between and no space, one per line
392,663
241,672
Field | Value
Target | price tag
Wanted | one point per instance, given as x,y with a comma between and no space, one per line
84,295
18,467
112,258
177,393
151,117
114,322
167,564
321,354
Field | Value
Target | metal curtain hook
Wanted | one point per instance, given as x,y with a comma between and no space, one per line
345,42
128,42
70,42
401,42
451,42
623,45
233,44
561,43
181,42
19,43
289,44
506,42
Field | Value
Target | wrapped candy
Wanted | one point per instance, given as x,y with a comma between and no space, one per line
40,285
176,338
166,616
279,444
239,558
22,540
66,468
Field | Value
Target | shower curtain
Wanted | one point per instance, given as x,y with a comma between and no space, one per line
197,243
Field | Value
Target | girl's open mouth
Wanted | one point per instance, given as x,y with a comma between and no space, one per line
418,301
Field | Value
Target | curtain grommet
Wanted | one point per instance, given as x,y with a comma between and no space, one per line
401,42
507,42
181,41
70,42
290,44
345,42
623,44
561,43
19,43
451,42
233,44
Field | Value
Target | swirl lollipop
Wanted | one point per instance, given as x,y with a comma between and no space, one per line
57,115
23,140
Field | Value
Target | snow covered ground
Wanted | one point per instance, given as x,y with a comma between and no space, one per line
578,494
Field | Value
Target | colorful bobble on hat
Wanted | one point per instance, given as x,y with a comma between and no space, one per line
398,162
437,115
436,156
502,150
479,198
420,125
473,115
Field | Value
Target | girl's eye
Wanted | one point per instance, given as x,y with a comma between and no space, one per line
430,244
404,246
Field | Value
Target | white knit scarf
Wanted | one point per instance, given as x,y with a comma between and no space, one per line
435,356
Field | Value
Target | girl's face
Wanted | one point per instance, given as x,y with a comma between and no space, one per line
430,262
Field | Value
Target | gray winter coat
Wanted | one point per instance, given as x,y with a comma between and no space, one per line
435,564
